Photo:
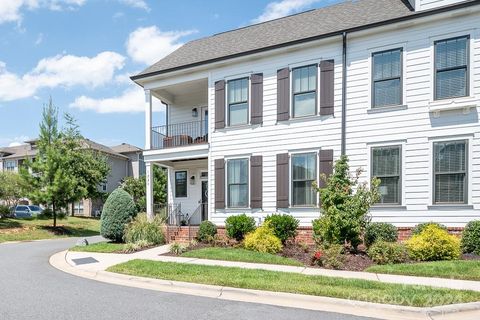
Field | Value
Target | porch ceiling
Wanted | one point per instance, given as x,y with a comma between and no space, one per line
192,93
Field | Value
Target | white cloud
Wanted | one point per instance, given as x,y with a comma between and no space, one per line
150,44
140,4
60,70
10,10
39,39
13,141
132,100
279,9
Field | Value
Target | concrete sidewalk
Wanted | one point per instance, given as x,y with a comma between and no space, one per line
83,261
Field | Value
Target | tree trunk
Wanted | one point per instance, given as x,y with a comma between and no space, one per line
54,215
73,209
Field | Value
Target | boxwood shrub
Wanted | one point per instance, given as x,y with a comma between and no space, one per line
471,238
118,211
238,226
206,231
284,226
383,252
380,231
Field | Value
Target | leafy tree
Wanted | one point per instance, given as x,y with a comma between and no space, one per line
137,188
63,171
344,212
12,188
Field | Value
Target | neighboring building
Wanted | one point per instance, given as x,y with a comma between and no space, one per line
255,115
124,160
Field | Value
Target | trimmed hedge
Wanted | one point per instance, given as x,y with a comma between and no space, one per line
471,238
380,231
206,231
383,252
118,211
238,226
433,243
284,226
421,226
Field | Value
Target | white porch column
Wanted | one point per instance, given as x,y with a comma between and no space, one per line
149,181
148,120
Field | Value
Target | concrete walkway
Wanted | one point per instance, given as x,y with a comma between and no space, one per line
83,261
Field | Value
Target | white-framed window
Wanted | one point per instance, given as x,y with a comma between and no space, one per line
181,184
303,175
10,165
237,101
237,183
386,165
304,91
450,172
387,78
451,67
78,207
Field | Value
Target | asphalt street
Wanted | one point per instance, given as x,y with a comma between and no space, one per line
32,289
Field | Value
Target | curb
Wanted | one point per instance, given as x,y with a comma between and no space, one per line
464,311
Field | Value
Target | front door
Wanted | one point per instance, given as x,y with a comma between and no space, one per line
204,200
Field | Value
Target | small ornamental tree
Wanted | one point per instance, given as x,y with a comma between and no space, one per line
344,212
118,211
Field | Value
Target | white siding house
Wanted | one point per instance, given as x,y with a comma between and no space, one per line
251,123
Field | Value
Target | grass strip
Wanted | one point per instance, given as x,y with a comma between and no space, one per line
103,247
352,289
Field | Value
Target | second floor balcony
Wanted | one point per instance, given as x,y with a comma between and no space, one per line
180,134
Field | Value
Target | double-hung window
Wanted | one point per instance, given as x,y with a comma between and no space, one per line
304,174
181,184
450,171
237,183
451,68
386,166
387,78
237,98
304,89
10,165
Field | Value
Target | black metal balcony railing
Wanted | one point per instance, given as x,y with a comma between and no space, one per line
179,134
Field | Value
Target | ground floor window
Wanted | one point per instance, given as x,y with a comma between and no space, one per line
181,184
386,166
237,183
304,174
450,171
78,207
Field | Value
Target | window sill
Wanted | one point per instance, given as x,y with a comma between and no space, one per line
239,127
465,103
387,109
449,207
387,207
302,119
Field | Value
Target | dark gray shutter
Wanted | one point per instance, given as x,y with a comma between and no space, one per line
325,165
220,104
256,182
327,80
283,94
219,184
282,180
257,98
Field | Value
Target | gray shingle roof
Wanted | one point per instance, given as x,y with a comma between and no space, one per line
125,148
313,23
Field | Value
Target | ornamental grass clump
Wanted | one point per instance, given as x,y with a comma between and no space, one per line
141,229
433,243
263,240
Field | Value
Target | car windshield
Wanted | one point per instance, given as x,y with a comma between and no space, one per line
35,208
21,208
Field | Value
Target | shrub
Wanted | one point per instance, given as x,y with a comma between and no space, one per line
433,243
384,252
421,226
380,231
344,212
4,211
136,246
140,229
238,226
206,230
471,238
118,211
263,239
177,248
284,226
331,257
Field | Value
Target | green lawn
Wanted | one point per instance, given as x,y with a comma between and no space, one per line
239,254
105,247
352,289
460,269
35,229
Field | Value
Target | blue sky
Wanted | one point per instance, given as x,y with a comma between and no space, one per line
81,53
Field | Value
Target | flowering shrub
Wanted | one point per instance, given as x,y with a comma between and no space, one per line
331,257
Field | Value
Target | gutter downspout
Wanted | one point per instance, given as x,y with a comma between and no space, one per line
344,94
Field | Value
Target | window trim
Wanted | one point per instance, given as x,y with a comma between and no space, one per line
466,186
10,168
227,104
400,174
317,176
227,192
175,183
467,71
293,94
372,84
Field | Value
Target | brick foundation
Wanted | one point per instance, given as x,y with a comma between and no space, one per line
304,234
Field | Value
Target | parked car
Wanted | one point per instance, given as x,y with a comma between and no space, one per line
24,211
35,210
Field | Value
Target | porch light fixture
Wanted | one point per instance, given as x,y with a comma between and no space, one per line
194,112
192,180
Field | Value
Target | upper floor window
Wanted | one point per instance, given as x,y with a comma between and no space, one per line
450,172
304,89
304,174
451,68
181,184
387,78
237,98
386,166
237,183
10,165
